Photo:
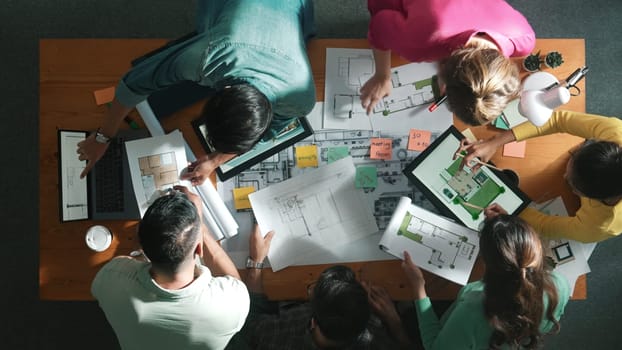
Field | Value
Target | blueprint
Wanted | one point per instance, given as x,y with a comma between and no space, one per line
406,107
317,209
382,199
434,243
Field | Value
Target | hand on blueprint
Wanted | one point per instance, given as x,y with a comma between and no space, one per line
493,210
374,90
470,151
91,151
259,246
415,276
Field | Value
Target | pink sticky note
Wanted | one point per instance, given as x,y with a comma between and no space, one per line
515,149
104,96
381,149
418,140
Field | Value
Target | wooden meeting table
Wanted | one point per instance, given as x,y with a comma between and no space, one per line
71,69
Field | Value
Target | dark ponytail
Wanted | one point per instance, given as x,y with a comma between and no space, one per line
515,280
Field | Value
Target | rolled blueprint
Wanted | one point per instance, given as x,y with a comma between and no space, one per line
218,209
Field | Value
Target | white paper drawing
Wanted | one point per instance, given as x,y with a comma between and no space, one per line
155,164
434,243
318,209
347,70
391,185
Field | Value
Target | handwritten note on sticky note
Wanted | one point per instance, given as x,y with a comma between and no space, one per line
240,197
306,156
336,153
418,140
515,149
381,149
366,177
104,96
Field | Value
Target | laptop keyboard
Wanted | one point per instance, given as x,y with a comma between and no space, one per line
109,179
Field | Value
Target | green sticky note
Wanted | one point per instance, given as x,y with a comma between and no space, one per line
366,177
500,123
336,153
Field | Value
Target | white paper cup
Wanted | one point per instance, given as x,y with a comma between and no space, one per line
98,238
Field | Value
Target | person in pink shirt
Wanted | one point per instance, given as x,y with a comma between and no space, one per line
472,40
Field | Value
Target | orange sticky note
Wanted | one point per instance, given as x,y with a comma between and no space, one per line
104,96
515,149
240,197
306,156
381,149
418,140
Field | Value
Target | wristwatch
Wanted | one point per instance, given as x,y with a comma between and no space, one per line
252,264
101,138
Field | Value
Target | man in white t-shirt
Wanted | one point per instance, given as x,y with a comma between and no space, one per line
170,301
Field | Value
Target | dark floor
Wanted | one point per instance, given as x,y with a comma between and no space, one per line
27,323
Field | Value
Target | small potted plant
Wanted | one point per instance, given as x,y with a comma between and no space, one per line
532,62
553,59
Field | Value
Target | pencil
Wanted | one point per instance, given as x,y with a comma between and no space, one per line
435,105
473,205
480,162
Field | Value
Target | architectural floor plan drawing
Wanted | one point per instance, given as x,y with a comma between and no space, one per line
434,243
445,247
391,184
313,212
158,172
304,215
155,164
413,84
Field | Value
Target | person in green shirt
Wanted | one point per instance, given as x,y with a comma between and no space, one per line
514,305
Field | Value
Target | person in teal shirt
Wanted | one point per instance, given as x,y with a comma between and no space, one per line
251,53
513,306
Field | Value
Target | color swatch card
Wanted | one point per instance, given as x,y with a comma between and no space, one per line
306,156
418,140
381,148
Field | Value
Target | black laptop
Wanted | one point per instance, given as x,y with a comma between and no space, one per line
107,192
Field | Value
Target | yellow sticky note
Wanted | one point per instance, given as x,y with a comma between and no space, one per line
240,197
104,96
306,156
418,140
381,149
515,149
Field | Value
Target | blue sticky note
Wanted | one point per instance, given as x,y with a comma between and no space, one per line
336,153
366,177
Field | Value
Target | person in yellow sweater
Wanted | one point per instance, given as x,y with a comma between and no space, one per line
594,172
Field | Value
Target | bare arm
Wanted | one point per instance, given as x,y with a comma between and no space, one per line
200,170
214,257
379,85
91,150
258,251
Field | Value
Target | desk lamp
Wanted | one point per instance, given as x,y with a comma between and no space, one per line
537,105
